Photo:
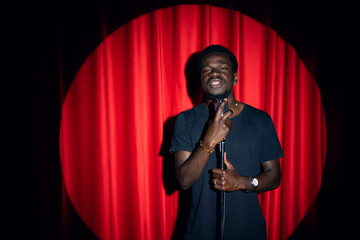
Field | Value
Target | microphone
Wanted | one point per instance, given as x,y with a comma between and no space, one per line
217,103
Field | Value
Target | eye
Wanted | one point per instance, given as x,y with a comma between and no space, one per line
223,68
206,69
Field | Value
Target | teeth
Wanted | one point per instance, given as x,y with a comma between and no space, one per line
215,83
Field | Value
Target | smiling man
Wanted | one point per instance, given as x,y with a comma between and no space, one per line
252,154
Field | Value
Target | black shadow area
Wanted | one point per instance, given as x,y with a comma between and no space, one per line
169,177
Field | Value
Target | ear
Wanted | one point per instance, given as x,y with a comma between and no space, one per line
236,78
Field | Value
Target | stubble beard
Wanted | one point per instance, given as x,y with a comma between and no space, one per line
218,96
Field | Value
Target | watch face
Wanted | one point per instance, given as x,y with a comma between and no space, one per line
255,182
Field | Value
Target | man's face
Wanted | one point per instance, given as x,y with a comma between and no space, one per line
217,77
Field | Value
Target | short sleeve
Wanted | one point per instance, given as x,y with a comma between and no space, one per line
182,138
271,148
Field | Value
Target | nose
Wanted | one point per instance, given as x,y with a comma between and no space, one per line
214,72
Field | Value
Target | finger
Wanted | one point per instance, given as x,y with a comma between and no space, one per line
218,177
227,115
216,182
219,186
218,171
227,163
228,123
220,109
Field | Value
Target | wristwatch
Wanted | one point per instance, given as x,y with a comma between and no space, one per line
254,183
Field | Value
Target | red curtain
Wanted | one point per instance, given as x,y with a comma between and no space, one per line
115,114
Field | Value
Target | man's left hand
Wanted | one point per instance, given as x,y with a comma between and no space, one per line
228,179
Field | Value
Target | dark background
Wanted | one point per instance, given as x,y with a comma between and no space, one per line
45,43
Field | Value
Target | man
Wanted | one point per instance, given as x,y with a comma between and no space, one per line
252,154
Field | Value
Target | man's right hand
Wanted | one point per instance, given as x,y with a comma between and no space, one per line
218,128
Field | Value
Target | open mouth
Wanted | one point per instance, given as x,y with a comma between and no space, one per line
215,83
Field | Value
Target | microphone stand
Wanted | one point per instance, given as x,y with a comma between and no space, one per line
221,194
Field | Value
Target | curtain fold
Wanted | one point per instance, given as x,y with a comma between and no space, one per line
118,114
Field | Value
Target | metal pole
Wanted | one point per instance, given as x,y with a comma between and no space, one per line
222,194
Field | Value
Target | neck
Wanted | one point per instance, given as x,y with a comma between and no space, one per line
234,105
231,101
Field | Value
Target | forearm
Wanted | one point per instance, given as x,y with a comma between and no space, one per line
190,170
268,180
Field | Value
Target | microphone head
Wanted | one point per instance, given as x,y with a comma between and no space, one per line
216,105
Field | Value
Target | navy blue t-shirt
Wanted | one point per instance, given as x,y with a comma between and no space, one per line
251,141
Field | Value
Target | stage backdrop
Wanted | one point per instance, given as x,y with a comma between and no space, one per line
118,113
